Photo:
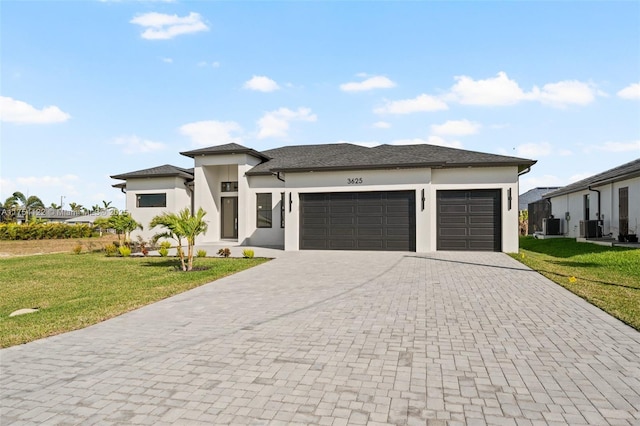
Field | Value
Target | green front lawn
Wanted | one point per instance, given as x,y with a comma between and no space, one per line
75,291
608,277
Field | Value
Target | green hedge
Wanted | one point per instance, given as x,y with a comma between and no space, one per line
42,231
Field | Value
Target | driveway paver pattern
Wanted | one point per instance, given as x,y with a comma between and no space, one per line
336,338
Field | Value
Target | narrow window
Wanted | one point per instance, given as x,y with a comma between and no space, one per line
263,210
151,200
229,187
586,207
282,210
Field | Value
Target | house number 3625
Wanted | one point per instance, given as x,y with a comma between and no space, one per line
354,181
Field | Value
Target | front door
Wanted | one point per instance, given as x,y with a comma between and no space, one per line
229,228
623,205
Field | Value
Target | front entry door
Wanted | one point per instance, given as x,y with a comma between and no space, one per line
229,218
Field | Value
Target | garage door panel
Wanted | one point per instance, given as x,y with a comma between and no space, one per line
376,220
453,209
469,220
370,220
342,209
454,220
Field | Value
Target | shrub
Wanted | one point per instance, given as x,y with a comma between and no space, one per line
110,250
248,253
165,244
225,252
77,249
124,251
163,251
39,231
201,253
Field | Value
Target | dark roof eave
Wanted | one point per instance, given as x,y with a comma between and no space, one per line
126,176
354,167
586,185
203,152
521,166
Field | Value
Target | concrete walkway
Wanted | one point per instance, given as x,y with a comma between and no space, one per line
336,338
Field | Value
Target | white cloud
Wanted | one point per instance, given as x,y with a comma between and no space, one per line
276,123
632,91
64,181
431,140
14,111
617,147
381,125
204,133
167,60
418,104
214,64
371,83
456,127
563,93
493,91
501,90
261,83
133,144
160,26
542,149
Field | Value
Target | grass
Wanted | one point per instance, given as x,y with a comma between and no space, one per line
608,277
75,291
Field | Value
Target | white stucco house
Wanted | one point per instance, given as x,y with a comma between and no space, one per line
606,204
340,197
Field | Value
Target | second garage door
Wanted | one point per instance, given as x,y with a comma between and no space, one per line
380,220
469,220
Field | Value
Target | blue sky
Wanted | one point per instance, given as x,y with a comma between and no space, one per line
95,88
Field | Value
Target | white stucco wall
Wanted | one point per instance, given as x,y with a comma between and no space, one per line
178,197
209,172
573,204
266,237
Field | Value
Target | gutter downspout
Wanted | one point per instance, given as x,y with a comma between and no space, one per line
277,175
123,190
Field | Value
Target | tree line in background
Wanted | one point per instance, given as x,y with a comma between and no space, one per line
18,202
181,226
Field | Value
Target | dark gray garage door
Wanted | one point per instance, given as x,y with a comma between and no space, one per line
358,221
469,220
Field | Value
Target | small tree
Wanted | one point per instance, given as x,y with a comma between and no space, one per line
182,225
122,223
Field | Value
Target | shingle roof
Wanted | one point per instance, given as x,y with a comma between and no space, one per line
533,195
625,171
166,170
230,148
345,156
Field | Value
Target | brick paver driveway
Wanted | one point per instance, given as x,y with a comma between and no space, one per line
341,338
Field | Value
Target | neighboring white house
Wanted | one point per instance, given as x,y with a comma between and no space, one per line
340,197
604,204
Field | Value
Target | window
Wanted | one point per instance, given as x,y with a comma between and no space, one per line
282,210
229,187
263,210
152,200
586,207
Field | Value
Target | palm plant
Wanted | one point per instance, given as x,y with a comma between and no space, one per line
122,223
18,199
182,225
